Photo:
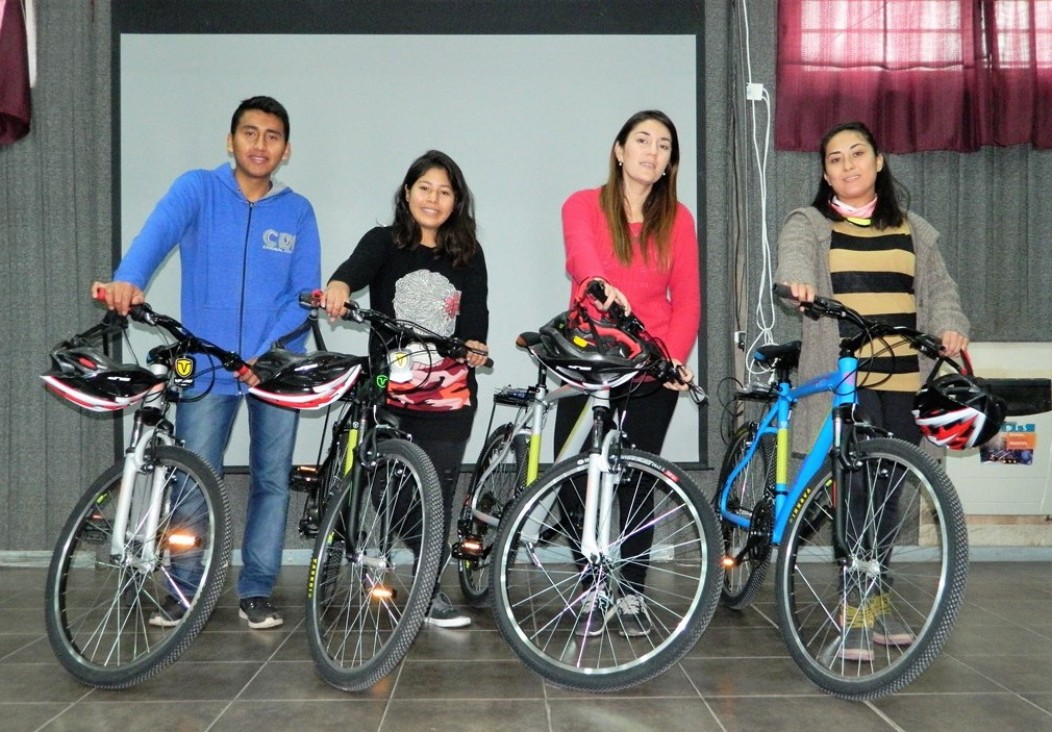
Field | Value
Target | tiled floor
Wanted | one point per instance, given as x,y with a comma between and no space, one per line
995,674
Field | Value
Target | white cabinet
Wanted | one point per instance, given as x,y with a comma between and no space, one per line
1000,488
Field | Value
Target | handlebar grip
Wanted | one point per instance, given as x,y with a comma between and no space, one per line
598,292
781,290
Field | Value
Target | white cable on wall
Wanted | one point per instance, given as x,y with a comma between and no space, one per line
759,106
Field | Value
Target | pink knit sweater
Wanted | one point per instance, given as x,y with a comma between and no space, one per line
667,301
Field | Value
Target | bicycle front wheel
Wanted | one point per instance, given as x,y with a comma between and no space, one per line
746,548
871,625
109,611
374,566
499,475
620,618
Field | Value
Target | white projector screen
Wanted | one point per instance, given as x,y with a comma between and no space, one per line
529,118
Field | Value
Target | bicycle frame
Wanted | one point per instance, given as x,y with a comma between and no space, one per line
530,421
828,444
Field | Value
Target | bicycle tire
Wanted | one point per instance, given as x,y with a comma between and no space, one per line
840,624
98,606
490,496
751,496
540,592
357,637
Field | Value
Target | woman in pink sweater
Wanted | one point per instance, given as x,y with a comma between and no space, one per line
634,236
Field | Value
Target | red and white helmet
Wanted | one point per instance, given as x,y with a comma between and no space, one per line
958,411
305,382
94,381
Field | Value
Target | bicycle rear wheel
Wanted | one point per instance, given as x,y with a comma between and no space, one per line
99,605
747,549
499,475
374,566
871,627
581,623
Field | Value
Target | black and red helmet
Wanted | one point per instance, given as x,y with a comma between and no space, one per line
304,381
958,411
590,352
94,381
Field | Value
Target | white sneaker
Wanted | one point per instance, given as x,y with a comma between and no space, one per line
596,609
442,614
633,616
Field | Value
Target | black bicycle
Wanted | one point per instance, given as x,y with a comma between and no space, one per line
373,499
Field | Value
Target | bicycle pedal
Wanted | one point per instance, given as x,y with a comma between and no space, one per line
308,528
94,533
304,478
470,547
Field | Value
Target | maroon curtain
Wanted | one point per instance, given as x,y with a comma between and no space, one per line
14,73
950,75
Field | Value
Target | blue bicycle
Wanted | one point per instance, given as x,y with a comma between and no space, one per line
872,549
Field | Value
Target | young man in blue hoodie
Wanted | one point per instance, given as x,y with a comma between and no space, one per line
248,246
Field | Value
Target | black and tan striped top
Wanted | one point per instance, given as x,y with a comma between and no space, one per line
872,272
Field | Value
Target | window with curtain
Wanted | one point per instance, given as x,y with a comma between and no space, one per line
922,74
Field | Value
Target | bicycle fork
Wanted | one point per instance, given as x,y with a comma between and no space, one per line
140,529
599,500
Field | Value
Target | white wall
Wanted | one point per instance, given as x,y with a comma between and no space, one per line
530,119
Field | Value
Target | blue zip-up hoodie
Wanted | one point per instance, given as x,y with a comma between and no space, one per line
243,264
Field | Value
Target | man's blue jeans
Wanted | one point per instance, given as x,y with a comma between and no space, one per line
205,426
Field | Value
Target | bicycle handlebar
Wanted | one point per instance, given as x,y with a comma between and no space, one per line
664,368
820,307
447,345
185,340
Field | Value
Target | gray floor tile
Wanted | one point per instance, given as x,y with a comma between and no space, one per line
154,716
317,715
300,681
29,717
674,683
45,681
994,674
481,715
187,681
964,712
814,713
632,715
480,679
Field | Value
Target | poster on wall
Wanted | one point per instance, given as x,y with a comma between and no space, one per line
1013,445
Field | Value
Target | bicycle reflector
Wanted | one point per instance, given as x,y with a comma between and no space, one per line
310,381
183,540
93,381
958,411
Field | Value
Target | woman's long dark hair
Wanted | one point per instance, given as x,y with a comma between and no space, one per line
659,210
456,237
889,212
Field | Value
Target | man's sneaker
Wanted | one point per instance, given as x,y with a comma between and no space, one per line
259,612
888,627
442,614
633,616
169,615
596,609
855,643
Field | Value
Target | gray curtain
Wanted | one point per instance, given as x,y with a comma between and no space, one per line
55,235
